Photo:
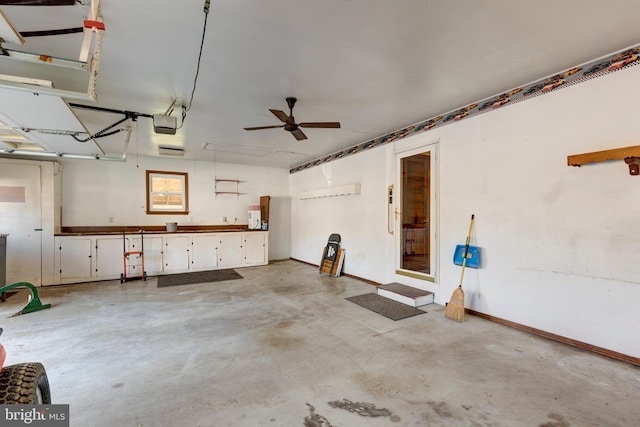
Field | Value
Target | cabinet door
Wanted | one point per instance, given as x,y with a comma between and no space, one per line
204,253
109,258
253,248
230,250
75,258
152,248
176,253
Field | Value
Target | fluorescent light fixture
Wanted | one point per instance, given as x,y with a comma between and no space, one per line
30,153
44,90
238,149
23,152
26,80
39,58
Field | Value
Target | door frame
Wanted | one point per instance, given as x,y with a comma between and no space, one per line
417,279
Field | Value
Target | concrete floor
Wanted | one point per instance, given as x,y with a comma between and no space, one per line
282,347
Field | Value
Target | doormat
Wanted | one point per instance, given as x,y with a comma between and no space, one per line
386,307
197,277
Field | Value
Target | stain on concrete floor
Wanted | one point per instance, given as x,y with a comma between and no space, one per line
557,421
316,420
363,409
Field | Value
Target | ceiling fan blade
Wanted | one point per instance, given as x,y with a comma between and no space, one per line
298,134
264,127
280,114
320,125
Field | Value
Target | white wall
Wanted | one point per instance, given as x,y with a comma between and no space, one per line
96,193
359,219
561,243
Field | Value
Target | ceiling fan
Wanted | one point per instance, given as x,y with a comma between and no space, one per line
290,122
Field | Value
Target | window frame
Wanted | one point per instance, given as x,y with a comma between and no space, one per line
185,193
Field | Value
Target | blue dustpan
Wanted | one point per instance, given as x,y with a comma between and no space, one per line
473,256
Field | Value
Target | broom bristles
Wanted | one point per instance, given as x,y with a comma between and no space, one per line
455,309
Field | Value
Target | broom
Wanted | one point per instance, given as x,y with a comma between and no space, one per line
455,309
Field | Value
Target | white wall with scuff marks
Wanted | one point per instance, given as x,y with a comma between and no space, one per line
561,244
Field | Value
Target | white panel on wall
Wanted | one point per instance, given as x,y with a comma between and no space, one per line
342,190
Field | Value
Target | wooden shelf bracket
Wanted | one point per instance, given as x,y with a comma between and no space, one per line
630,155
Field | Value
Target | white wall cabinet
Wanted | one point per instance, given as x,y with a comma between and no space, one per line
74,258
176,253
229,250
108,258
204,251
99,257
253,248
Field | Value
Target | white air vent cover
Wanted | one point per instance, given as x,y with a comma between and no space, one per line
171,151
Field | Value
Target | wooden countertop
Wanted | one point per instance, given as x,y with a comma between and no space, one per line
149,229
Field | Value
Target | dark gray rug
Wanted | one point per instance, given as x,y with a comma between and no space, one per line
197,277
386,307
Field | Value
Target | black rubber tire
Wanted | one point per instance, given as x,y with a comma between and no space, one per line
25,383
121,278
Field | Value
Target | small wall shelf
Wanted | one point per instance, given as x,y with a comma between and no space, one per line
630,155
227,186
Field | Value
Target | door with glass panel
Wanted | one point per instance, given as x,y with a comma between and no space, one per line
414,213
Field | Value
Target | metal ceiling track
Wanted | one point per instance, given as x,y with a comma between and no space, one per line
131,114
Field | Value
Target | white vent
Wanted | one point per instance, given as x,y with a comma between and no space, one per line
171,151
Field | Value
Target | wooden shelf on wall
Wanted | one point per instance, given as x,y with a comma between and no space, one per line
226,190
630,155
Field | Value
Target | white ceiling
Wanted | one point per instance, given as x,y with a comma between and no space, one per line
374,65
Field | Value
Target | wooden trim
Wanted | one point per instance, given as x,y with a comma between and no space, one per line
601,156
559,338
414,275
185,211
371,282
152,228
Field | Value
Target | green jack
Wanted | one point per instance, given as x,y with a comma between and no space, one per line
34,303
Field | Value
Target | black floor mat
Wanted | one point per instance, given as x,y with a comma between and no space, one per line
197,277
386,307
